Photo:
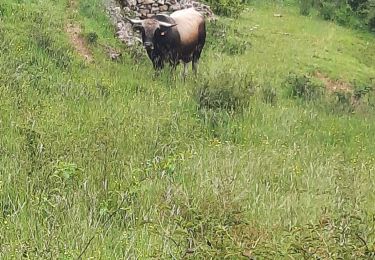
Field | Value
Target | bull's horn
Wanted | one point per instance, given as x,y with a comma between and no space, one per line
164,24
138,39
133,21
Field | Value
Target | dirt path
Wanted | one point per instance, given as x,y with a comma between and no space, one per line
74,32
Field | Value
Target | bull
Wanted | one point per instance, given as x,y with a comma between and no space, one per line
173,38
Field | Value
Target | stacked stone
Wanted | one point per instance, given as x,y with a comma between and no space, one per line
146,8
119,9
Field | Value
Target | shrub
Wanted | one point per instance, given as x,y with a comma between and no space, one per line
327,10
92,37
222,39
362,92
231,8
301,86
228,92
268,95
349,102
221,98
353,13
305,6
371,16
356,4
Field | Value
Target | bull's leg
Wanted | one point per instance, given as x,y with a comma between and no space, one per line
185,70
158,63
173,64
173,61
196,56
195,66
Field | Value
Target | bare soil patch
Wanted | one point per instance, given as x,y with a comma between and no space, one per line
74,32
77,41
334,85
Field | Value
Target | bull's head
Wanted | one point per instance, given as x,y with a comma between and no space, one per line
150,29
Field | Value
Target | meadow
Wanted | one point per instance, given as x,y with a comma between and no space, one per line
268,153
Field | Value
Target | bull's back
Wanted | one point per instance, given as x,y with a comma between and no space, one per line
189,22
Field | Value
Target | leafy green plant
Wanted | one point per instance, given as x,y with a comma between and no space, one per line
305,7
224,39
268,94
66,172
351,13
92,37
301,86
231,8
370,18
228,91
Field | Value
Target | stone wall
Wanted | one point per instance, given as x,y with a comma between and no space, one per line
146,8
118,9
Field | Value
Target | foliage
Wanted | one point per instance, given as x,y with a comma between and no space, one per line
301,86
269,95
231,8
352,13
222,38
92,37
228,91
305,6
370,17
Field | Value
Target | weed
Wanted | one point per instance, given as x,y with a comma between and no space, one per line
269,95
33,148
226,91
361,92
65,173
343,102
301,86
224,39
92,37
227,7
355,14
305,7
103,89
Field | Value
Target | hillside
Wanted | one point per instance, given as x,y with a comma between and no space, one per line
268,153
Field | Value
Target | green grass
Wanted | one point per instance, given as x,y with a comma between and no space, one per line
107,155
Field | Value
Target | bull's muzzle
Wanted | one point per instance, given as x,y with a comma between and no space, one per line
148,45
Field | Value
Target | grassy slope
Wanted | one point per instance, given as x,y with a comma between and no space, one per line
104,150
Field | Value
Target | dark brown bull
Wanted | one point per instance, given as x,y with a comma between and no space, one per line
180,36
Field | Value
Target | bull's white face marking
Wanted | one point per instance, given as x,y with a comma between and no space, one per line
149,28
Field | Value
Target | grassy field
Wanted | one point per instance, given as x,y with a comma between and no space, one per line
258,156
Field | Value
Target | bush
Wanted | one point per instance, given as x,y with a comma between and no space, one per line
223,39
230,92
327,10
305,6
221,99
268,95
301,86
231,8
360,100
352,13
92,37
371,16
356,4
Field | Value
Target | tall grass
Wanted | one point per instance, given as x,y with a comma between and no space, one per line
107,160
